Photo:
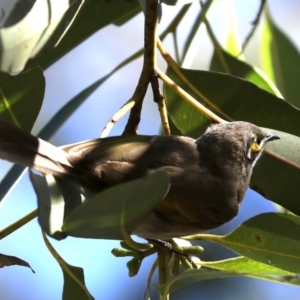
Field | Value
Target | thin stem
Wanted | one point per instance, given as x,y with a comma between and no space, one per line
188,98
255,25
160,100
64,265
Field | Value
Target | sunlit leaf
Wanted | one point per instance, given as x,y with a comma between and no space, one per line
225,63
280,60
57,198
239,266
269,238
31,28
93,16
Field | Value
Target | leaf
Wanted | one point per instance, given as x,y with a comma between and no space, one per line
31,28
74,289
57,198
116,209
233,98
7,260
280,60
269,238
239,266
93,16
21,97
277,177
226,63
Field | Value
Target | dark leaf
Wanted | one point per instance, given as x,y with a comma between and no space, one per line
74,285
7,260
120,208
21,97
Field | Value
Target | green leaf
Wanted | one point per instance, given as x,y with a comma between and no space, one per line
277,177
93,16
21,97
280,60
233,99
239,266
269,238
115,210
189,277
226,63
74,289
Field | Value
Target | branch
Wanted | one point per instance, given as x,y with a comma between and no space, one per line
148,67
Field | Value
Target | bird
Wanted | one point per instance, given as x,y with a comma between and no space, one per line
208,176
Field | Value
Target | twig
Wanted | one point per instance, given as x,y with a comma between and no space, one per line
16,225
116,117
148,67
255,25
65,266
163,269
130,103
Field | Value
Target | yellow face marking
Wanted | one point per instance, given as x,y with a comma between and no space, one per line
254,146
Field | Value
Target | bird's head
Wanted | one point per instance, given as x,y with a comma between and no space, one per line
232,142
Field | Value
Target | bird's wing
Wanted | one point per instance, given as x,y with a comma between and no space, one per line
116,148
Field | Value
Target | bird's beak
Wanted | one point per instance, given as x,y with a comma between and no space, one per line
271,137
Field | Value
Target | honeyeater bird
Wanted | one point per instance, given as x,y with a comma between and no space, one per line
209,175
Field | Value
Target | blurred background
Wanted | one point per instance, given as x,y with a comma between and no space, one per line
106,276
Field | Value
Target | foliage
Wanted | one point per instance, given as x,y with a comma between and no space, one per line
232,89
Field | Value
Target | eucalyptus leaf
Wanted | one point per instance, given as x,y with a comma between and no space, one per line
33,27
280,60
239,266
276,175
21,97
189,277
117,209
226,63
269,238
232,98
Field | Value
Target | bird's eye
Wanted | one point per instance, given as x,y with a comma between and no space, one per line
256,144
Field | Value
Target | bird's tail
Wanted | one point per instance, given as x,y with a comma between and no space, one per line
20,147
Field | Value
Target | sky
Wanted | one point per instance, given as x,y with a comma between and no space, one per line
106,276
